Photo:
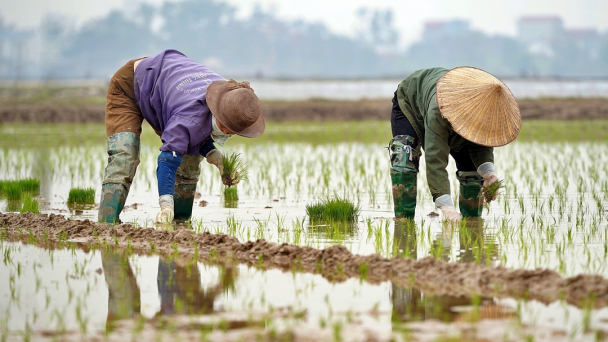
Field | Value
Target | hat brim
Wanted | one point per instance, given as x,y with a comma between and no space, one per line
479,106
215,92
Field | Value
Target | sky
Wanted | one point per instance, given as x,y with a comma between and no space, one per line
489,16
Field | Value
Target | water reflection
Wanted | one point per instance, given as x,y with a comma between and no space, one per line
335,232
410,304
179,287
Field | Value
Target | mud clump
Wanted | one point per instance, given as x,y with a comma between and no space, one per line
335,263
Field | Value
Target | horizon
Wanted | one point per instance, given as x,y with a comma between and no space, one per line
494,17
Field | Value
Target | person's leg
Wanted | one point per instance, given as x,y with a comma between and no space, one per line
123,127
186,178
470,199
404,163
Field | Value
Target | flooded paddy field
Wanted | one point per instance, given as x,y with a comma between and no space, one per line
552,216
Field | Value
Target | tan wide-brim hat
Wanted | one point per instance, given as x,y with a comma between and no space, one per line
479,106
236,106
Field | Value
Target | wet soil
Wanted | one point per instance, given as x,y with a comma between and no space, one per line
311,110
335,263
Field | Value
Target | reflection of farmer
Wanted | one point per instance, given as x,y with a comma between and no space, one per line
123,291
180,291
411,304
190,107
463,112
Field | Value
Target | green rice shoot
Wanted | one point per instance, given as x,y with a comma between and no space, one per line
492,189
30,205
235,170
230,193
29,185
81,196
12,190
333,209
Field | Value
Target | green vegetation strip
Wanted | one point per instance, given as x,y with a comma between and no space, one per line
38,136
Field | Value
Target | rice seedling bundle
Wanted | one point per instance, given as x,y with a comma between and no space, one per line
235,170
492,189
231,193
333,209
12,190
81,196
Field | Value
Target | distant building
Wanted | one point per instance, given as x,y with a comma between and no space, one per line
436,30
586,39
538,33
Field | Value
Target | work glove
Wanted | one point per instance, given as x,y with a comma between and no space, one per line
446,205
215,157
450,213
166,209
486,170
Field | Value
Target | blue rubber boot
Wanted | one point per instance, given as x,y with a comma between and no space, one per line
123,159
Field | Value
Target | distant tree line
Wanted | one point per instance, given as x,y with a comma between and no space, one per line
263,45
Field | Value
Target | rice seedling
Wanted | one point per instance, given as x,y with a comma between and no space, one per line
12,190
29,184
492,189
235,170
333,209
80,196
30,205
231,193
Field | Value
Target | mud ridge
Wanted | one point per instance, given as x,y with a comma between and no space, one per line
309,110
335,263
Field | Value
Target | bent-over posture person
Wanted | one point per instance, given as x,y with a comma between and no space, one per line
463,112
190,107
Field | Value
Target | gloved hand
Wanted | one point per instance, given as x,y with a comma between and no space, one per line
450,213
489,178
166,209
215,157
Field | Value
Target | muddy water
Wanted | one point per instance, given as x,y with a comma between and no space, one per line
550,216
66,292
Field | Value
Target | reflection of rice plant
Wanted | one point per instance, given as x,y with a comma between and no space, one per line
81,196
235,170
31,205
333,209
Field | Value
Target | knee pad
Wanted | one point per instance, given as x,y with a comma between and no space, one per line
189,171
403,153
123,158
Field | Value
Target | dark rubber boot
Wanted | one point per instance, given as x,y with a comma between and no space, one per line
123,158
113,197
470,199
186,178
183,199
404,175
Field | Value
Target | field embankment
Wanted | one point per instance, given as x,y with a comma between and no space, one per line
335,263
92,110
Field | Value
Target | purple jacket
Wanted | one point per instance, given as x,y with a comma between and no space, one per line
170,91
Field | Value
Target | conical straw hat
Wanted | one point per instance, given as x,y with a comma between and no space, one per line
479,106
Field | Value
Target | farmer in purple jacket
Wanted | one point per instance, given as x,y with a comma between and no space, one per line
190,107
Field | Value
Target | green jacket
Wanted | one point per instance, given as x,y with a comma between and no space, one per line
416,96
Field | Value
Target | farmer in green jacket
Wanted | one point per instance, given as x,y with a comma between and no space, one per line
463,112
